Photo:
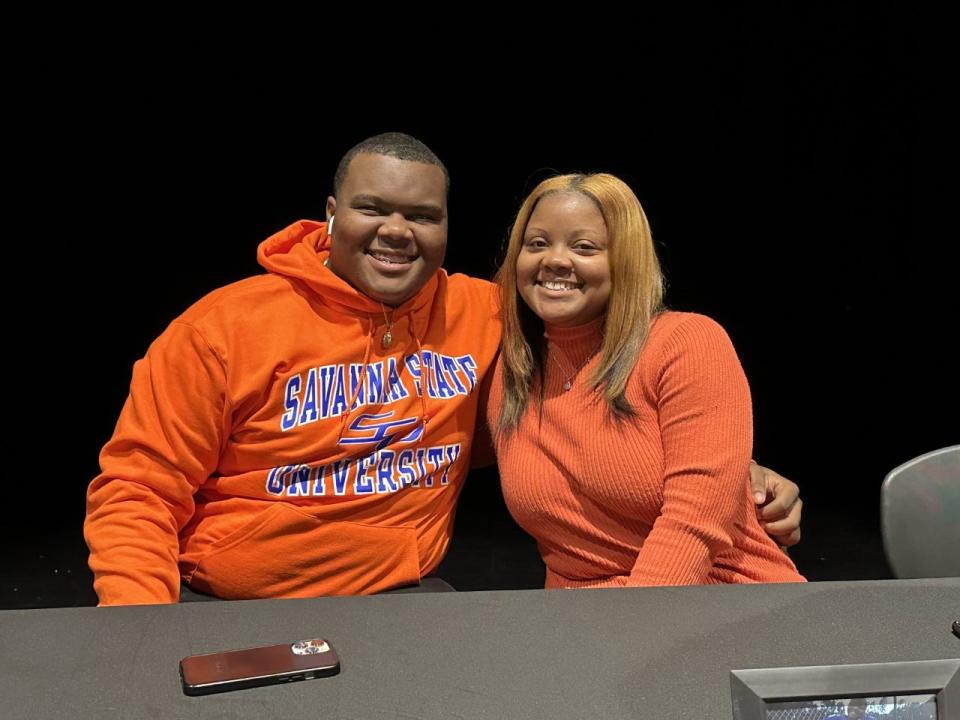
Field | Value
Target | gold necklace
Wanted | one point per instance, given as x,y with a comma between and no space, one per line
387,339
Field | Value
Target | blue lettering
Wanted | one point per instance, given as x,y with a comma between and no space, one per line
385,481
450,365
319,487
443,387
413,365
403,465
435,458
339,405
341,469
375,383
427,370
290,402
396,390
380,436
327,373
283,475
356,385
274,487
453,453
363,485
421,468
299,481
308,412
469,368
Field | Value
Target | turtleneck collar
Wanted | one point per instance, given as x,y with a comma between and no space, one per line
578,343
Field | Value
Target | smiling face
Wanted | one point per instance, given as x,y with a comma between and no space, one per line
390,232
563,269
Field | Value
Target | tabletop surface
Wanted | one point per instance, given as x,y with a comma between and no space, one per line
618,653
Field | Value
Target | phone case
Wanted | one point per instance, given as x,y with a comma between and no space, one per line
253,667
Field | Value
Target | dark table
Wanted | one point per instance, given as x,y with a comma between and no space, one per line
632,653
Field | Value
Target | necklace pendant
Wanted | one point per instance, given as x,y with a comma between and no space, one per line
387,339
567,385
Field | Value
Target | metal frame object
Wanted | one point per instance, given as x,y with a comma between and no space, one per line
753,690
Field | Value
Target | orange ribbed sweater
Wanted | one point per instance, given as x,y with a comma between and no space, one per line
660,499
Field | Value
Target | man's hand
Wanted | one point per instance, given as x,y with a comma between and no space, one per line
778,504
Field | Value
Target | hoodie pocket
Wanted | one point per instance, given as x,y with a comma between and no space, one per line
285,552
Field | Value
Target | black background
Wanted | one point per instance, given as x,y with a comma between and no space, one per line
776,153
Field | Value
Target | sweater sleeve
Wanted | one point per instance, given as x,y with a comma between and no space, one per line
706,428
166,444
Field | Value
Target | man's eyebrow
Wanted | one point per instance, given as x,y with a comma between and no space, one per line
377,200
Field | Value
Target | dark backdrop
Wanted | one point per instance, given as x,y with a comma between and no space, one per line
776,156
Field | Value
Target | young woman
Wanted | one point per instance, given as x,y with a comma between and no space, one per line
623,431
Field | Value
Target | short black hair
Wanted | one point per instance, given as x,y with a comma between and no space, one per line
394,144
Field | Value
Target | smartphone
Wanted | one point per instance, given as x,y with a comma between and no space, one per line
253,667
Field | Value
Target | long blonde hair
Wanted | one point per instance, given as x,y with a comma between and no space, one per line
636,296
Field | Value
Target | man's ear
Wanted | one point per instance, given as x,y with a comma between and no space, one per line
331,206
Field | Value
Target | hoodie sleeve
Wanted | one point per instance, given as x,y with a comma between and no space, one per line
482,451
166,444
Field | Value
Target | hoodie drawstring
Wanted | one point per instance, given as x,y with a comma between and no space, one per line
356,391
424,375
424,378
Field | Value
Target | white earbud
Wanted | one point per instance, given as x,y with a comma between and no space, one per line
330,226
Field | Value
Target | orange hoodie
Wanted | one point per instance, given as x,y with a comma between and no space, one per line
271,447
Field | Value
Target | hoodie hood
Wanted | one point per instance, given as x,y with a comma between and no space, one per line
299,252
